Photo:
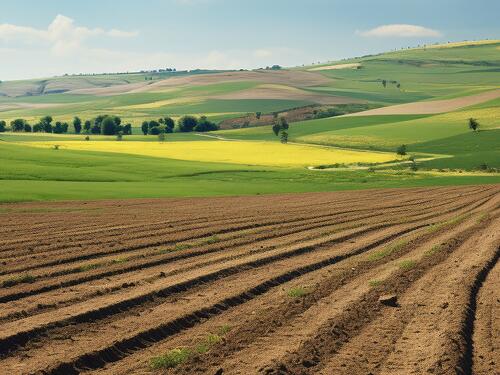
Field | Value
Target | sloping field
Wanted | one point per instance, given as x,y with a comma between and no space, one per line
270,284
238,152
431,107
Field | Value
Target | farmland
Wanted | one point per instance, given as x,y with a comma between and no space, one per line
253,284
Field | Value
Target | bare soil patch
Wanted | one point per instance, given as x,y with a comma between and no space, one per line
286,284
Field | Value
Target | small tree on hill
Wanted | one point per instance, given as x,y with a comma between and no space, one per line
258,114
473,124
401,150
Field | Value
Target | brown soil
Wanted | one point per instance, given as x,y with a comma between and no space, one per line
115,283
293,78
431,107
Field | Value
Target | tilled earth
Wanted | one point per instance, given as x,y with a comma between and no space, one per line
402,281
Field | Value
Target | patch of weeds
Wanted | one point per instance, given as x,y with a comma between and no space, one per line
433,250
171,359
89,267
407,264
298,292
182,246
224,329
212,339
119,261
484,216
21,279
212,240
388,250
375,283
207,344
448,223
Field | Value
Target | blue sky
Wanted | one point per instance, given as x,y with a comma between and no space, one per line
51,37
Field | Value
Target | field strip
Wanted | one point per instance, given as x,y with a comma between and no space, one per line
340,326
109,302
431,107
61,283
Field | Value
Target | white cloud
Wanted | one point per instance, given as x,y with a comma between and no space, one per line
401,31
62,35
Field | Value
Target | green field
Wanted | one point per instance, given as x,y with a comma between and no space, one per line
355,152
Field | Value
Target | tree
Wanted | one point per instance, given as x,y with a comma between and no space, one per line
187,123
284,137
77,124
276,128
145,127
204,125
258,114
384,83
169,124
87,126
119,136
17,125
58,128
37,128
473,124
65,127
27,127
127,129
108,126
155,130
401,150
2,126
46,124
280,125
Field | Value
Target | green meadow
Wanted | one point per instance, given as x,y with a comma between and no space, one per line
446,151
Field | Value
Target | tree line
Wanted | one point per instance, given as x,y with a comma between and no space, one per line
111,125
185,124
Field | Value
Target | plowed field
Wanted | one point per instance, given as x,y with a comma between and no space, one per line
290,284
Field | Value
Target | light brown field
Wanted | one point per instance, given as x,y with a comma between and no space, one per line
431,107
103,287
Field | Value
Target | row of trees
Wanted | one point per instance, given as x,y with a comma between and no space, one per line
185,124
103,124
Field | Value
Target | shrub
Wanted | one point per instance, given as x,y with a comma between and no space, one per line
171,359
401,150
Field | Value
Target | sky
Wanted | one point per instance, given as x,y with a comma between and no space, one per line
44,38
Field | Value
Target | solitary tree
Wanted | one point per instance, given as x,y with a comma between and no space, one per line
258,114
384,83
401,150
77,124
473,124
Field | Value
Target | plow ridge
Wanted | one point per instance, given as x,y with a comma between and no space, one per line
332,244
